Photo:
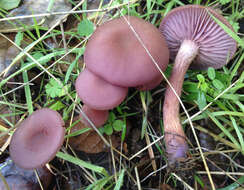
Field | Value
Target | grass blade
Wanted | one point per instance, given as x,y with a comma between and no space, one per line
82,163
120,180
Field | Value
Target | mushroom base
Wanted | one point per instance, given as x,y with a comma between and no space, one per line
176,147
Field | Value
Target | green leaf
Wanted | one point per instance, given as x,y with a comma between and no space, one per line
211,73
55,89
223,2
123,135
238,132
218,84
144,127
200,78
78,132
120,180
200,182
235,25
27,91
204,87
118,125
57,106
19,37
99,184
85,28
225,131
9,4
101,130
37,55
108,129
190,87
201,100
234,185
112,117
72,65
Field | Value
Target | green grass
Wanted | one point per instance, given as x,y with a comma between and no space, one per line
215,96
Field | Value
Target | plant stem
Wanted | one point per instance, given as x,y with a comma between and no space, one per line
175,142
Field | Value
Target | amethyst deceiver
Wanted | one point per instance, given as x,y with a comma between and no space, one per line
115,54
115,60
37,139
97,117
196,40
98,93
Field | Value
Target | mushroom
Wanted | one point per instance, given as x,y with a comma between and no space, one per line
97,93
113,65
98,117
115,54
116,60
197,41
37,139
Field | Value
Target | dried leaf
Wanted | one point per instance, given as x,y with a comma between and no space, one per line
89,141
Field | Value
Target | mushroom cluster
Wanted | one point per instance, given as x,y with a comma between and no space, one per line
195,40
115,60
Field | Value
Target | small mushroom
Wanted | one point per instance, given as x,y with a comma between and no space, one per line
199,42
97,93
37,139
97,117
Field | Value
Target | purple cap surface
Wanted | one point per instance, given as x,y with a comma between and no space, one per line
37,139
97,117
98,94
115,54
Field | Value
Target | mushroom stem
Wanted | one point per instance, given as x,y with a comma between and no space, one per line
176,146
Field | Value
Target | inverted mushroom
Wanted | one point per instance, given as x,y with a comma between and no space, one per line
37,139
199,42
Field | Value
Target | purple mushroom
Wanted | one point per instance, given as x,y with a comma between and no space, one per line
195,40
97,117
37,139
115,60
115,54
97,93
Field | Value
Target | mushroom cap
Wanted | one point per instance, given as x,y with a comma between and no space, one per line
97,117
97,93
193,22
37,139
115,54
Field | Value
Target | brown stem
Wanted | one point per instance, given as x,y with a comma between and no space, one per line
175,142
